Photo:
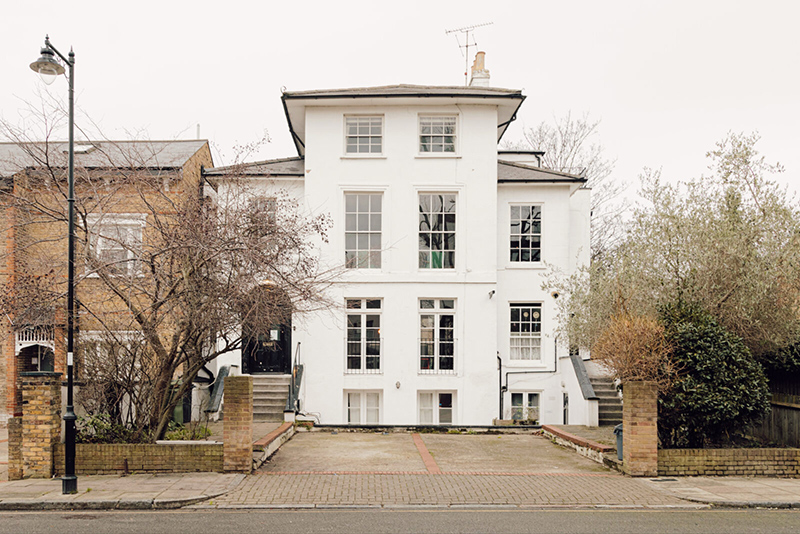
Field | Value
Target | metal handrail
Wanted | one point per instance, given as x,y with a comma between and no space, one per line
294,385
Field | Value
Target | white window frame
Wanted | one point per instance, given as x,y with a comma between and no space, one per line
430,410
357,336
427,128
359,122
520,237
433,232
100,230
267,205
525,410
93,340
433,335
525,333
363,234
365,405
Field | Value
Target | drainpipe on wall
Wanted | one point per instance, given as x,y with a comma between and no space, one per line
500,383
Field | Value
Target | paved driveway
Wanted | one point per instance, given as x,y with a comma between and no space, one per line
320,469
354,452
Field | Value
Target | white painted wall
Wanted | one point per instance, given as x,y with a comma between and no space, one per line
482,266
564,246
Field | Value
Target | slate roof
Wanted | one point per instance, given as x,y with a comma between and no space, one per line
511,171
273,167
99,154
405,90
507,171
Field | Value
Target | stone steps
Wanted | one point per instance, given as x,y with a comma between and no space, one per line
269,396
609,401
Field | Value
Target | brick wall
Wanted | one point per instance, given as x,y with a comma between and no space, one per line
237,427
721,462
14,448
29,247
41,422
111,459
640,431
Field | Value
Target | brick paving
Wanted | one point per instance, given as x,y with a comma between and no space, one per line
352,469
446,489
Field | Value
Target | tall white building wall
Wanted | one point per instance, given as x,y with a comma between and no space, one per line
483,284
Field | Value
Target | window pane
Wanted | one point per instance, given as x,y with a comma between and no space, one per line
525,331
426,400
354,408
424,260
424,203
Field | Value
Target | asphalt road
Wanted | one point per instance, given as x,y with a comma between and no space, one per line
416,521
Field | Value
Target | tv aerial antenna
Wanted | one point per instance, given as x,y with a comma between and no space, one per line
467,44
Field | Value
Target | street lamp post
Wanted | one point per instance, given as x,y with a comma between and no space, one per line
48,68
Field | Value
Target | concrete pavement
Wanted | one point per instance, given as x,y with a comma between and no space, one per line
396,470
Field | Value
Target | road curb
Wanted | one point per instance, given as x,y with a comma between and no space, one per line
454,506
23,505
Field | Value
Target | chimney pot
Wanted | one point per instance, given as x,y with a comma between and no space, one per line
480,74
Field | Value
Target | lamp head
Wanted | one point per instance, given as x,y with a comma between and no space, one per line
47,66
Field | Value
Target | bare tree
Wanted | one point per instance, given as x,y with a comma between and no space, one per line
570,145
167,298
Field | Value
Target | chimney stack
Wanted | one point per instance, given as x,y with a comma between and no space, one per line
480,74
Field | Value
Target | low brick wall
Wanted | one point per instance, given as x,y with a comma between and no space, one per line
584,447
110,459
721,462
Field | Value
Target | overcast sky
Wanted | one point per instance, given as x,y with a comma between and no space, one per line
668,79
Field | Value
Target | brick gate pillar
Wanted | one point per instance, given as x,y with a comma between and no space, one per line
15,448
237,424
639,429
41,424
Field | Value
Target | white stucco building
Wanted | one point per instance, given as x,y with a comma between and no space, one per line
446,241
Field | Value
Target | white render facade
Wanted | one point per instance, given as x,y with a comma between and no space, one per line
445,243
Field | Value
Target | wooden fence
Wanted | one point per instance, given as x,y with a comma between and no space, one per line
782,425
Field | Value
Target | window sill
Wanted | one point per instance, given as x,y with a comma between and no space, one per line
438,155
429,372
363,156
538,265
532,364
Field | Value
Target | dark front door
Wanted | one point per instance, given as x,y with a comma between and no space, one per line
269,352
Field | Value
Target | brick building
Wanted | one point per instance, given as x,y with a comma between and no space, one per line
121,188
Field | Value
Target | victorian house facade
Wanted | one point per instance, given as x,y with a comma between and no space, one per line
443,315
